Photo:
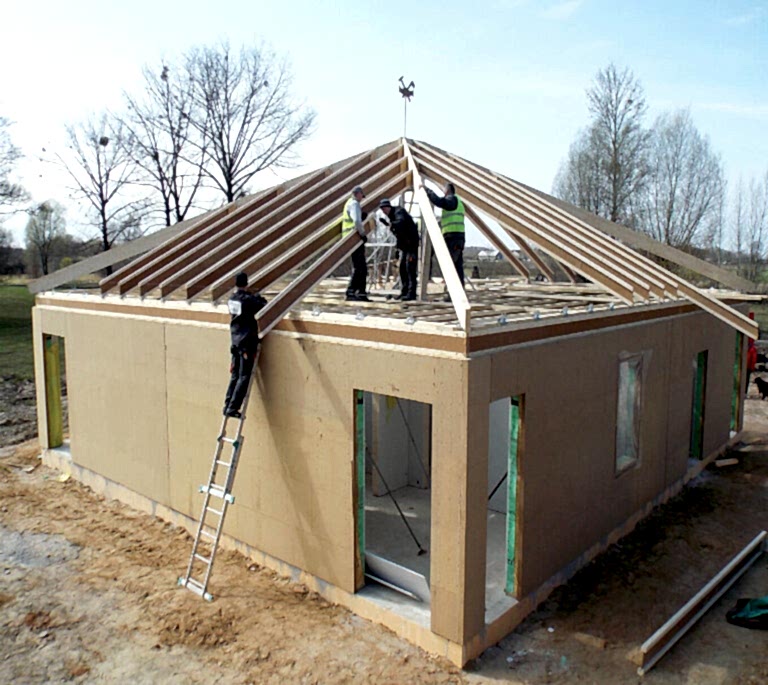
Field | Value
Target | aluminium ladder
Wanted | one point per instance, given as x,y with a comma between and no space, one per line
219,486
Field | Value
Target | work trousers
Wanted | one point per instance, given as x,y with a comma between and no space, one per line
358,280
455,244
409,262
240,370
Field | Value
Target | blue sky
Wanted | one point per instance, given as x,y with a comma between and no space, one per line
501,82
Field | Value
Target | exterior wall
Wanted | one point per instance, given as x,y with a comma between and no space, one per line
572,497
145,397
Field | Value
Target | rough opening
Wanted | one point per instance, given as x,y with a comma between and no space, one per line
393,453
57,414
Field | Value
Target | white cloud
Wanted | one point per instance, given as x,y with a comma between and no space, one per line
562,10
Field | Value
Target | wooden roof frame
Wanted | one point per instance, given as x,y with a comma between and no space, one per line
297,224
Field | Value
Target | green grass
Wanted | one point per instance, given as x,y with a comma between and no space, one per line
16,358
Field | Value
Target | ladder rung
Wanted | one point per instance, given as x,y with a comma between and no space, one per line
207,534
230,440
206,560
214,511
223,463
192,584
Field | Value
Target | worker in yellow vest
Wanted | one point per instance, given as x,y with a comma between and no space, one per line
451,226
352,220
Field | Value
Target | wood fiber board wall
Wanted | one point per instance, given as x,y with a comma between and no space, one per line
196,374
146,400
476,476
571,492
116,395
701,332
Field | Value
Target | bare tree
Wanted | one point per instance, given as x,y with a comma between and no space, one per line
750,226
617,103
10,193
102,168
45,226
580,179
159,121
685,183
606,166
245,113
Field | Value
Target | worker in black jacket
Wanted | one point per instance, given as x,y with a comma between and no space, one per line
451,225
406,233
244,334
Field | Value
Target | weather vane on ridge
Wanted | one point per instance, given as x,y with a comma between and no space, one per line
407,93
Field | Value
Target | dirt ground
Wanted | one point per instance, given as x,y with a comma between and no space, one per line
18,413
88,595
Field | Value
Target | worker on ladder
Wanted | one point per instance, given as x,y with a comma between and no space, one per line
244,331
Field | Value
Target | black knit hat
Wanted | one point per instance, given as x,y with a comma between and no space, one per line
241,280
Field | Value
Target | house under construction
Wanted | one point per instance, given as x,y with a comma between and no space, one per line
471,455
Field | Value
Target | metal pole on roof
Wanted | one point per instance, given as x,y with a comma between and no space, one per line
407,93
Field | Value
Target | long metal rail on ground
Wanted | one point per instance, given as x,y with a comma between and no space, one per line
665,637
219,487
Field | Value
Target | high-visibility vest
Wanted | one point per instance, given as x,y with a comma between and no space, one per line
347,222
452,221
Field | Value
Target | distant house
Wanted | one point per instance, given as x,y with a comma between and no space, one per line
489,255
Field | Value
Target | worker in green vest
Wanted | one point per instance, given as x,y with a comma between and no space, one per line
352,220
451,225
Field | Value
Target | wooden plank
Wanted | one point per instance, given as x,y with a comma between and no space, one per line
228,228
264,228
319,239
105,259
519,213
318,210
622,256
557,248
524,246
271,315
255,224
641,241
568,273
262,253
187,228
496,242
214,223
513,220
455,289
228,214
670,633
426,263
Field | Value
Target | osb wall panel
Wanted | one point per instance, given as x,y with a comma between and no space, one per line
146,399
572,495
116,395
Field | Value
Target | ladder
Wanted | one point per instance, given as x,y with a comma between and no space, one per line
218,489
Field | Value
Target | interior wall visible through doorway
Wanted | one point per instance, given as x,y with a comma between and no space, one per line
393,438
505,438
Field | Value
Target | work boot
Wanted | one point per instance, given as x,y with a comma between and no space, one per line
362,297
232,414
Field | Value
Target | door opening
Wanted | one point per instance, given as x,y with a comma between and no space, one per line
393,466
505,449
57,415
